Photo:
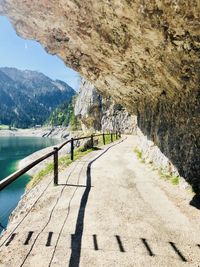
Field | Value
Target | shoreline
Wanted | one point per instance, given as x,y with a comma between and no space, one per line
25,161
51,132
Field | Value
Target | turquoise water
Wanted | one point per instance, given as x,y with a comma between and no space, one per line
12,150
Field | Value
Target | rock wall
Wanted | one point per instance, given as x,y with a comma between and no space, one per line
145,54
99,113
174,127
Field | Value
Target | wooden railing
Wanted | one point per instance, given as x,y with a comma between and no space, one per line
11,178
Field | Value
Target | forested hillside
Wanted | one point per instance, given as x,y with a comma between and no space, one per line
64,115
27,98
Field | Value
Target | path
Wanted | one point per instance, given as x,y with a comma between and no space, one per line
114,211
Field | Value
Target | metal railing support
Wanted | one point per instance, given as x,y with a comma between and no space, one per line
104,140
92,140
111,137
72,149
55,166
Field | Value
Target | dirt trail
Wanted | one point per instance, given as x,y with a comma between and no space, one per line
109,210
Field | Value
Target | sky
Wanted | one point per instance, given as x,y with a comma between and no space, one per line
30,55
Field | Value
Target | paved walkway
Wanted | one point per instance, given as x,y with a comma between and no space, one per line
109,210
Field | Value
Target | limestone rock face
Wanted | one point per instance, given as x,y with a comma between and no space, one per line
174,126
145,54
99,113
130,49
116,118
88,107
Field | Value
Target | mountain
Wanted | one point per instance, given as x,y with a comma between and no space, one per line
27,98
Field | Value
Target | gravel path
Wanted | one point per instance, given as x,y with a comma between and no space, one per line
109,210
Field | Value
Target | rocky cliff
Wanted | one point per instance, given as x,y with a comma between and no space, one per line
99,113
145,54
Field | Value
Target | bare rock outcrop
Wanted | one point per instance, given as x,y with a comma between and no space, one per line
98,113
145,54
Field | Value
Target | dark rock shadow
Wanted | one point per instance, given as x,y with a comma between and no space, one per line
195,202
173,125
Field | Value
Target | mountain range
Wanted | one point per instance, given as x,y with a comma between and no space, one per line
27,98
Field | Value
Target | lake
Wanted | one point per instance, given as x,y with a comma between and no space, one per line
12,150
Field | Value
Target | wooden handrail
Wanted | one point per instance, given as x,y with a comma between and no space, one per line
63,144
12,177
79,138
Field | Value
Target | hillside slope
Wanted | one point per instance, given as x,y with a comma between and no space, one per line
28,97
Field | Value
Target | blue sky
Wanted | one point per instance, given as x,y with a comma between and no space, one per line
25,54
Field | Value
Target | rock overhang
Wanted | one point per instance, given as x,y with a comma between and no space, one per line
132,50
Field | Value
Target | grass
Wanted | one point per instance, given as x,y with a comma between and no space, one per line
163,175
107,139
174,179
4,127
38,177
139,155
65,161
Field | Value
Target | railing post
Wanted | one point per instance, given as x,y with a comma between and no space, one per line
72,149
55,166
92,141
104,140
116,135
111,137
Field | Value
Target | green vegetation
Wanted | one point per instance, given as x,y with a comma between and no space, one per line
64,115
107,139
161,174
60,116
28,97
139,155
4,127
65,161
73,120
38,177
174,179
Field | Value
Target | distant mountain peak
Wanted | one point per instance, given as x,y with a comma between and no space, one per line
32,94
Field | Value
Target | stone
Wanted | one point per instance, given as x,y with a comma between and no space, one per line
98,113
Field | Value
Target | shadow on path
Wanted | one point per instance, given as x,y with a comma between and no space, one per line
76,239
